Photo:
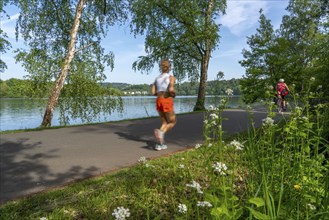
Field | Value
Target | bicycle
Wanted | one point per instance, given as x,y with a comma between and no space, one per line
280,105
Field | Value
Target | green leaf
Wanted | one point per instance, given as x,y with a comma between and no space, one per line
258,215
259,202
220,212
212,199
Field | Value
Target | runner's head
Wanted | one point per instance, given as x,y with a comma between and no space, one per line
281,80
165,66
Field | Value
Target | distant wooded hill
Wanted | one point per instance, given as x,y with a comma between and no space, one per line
18,88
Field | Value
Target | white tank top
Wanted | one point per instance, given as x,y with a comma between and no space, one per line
162,82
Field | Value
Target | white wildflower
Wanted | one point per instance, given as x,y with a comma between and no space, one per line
237,145
220,167
312,79
182,166
213,116
229,92
196,186
210,145
312,207
203,204
249,107
304,118
205,121
211,107
142,160
268,121
270,87
43,218
197,146
120,213
319,86
182,208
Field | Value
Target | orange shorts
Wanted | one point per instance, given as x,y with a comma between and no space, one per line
165,104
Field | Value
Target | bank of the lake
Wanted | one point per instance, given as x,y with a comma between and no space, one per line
17,114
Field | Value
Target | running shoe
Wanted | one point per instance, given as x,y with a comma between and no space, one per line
160,147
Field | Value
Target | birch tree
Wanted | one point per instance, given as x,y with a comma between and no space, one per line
64,39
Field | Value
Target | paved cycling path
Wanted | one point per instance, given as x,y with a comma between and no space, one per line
33,161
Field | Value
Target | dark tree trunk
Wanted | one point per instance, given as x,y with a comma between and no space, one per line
199,106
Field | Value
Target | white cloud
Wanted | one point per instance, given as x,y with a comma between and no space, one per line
8,25
242,15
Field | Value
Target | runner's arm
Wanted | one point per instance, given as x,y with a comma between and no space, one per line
153,89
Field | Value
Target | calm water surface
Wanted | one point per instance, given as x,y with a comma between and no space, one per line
27,113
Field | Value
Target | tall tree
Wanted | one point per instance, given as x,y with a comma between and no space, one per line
184,31
295,52
257,61
53,33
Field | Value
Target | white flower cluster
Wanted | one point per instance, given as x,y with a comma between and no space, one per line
214,116
229,92
197,146
220,168
120,213
268,121
142,160
203,204
43,218
196,186
182,208
312,207
237,145
182,166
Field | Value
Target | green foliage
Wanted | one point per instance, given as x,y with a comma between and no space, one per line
4,43
297,51
15,88
33,88
47,34
186,32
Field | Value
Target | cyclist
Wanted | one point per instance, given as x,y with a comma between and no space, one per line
281,91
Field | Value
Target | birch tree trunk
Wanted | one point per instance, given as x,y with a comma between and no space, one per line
53,98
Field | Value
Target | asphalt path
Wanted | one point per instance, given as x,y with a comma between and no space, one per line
34,161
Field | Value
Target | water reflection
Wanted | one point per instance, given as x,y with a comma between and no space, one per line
28,113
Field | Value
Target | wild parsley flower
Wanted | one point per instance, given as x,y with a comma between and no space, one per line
229,92
220,168
196,186
237,145
312,207
197,146
142,160
182,208
268,121
120,213
203,204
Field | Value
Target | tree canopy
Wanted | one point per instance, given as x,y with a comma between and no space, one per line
46,27
186,32
297,51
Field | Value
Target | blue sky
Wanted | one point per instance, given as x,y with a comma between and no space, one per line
240,21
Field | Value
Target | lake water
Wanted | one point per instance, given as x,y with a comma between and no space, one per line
27,113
